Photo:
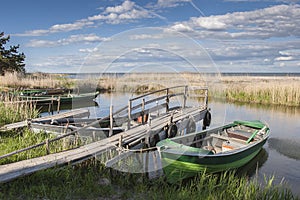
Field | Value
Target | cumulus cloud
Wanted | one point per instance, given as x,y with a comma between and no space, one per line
126,12
275,21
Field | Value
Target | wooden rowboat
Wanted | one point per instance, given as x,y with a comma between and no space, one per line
67,99
219,149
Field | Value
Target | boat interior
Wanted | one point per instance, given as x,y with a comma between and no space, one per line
223,140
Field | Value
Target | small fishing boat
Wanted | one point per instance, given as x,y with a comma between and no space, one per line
41,92
69,98
215,150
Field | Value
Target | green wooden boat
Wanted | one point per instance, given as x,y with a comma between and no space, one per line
64,99
219,149
41,92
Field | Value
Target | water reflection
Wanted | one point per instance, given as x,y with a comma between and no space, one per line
255,164
287,147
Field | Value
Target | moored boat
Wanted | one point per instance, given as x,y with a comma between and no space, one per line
219,149
69,98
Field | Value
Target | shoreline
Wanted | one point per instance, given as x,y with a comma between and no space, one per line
256,88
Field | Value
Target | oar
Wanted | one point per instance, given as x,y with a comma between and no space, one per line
255,133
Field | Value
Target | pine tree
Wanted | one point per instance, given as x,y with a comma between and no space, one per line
10,59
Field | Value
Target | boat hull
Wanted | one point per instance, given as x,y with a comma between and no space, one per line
180,161
177,167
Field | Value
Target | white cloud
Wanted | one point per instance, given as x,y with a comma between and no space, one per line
77,25
88,50
210,23
126,6
170,3
146,36
284,58
275,21
182,27
126,12
88,38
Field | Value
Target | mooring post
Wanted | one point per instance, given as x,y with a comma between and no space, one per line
58,104
185,96
143,111
47,146
206,98
167,101
52,104
94,136
129,114
121,141
111,122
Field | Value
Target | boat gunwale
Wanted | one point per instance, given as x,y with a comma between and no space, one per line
172,150
221,154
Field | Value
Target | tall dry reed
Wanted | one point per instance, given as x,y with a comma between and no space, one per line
266,90
11,111
16,81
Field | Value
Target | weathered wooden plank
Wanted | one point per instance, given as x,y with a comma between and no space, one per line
72,113
25,167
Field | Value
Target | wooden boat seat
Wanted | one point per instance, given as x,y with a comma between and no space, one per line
239,134
226,138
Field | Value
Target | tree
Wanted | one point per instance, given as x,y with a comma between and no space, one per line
10,59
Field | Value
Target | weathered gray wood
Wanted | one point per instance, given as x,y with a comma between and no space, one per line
134,134
72,113
25,167
111,120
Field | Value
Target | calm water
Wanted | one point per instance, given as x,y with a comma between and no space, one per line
280,156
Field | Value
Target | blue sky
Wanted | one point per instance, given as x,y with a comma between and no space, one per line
164,35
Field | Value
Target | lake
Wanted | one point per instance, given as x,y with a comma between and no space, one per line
280,156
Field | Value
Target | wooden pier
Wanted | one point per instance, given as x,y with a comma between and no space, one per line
146,124
68,114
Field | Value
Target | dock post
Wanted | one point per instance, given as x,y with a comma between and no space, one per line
94,136
143,111
129,114
167,101
120,141
111,121
206,98
185,96
58,104
47,146
52,104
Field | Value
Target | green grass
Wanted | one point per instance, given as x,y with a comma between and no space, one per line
12,141
10,113
83,181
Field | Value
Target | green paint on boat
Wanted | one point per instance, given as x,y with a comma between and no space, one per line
181,160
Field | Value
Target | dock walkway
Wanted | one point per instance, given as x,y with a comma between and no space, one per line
132,136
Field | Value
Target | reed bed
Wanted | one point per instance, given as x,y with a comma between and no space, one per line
11,111
264,90
17,81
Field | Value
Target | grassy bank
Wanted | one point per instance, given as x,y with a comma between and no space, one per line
91,180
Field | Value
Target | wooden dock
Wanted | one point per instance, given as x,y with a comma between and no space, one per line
144,132
68,114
